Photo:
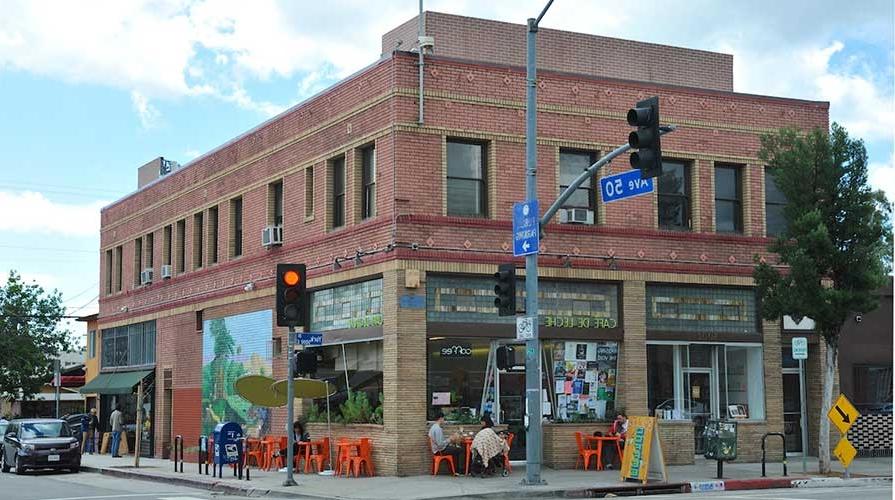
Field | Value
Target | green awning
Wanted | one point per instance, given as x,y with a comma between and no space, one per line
114,383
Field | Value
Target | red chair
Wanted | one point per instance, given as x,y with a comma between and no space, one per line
584,453
254,453
364,458
343,456
436,461
506,456
317,453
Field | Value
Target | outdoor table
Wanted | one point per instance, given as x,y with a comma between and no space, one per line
599,442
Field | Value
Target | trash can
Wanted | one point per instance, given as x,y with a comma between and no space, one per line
227,444
721,440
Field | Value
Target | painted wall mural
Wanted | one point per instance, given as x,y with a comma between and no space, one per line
232,347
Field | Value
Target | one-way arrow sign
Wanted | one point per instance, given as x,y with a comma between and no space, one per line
526,228
843,414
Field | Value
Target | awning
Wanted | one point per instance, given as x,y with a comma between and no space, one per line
114,383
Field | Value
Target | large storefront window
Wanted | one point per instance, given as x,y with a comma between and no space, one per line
350,317
131,345
563,304
583,380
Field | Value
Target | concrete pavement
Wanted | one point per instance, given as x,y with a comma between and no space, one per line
699,476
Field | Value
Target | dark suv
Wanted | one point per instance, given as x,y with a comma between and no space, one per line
40,443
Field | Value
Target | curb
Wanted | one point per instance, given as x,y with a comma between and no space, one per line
833,482
217,486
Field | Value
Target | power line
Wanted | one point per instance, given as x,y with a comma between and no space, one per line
82,292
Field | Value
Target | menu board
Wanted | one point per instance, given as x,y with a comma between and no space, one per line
584,375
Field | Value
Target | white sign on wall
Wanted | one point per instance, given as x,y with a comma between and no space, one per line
799,348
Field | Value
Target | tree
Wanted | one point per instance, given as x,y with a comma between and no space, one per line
837,247
29,337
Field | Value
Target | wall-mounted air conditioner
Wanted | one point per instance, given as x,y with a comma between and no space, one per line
271,236
166,271
576,216
146,276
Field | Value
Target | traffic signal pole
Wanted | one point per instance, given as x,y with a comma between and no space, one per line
533,345
290,408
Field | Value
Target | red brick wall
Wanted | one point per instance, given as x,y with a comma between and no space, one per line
502,43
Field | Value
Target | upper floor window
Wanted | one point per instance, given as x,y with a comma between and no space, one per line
167,245
728,199
674,196
149,248
309,192
571,165
119,267
337,169
108,272
774,203
236,227
91,344
180,261
275,203
213,235
466,179
368,180
138,260
198,240
129,345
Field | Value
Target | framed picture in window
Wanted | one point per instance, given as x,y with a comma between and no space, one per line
738,411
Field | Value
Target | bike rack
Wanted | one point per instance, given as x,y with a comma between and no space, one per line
178,452
764,451
203,453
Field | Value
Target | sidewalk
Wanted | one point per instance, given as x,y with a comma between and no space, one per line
697,477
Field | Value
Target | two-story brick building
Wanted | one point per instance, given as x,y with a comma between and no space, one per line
647,303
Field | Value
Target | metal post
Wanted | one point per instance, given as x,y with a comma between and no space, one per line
802,414
57,381
290,408
138,430
532,345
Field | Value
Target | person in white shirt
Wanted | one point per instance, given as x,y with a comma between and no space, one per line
442,445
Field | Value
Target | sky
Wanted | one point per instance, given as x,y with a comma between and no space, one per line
89,91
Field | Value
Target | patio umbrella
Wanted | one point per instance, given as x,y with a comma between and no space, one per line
312,389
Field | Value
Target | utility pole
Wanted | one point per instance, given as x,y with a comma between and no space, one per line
57,381
533,345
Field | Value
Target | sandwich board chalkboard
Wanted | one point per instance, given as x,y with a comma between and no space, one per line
643,451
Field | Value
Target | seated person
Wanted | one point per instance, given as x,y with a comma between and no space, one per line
442,445
300,437
618,428
489,446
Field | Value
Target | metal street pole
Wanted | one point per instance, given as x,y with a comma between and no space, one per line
290,408
57,381
802,414
532,345
138,431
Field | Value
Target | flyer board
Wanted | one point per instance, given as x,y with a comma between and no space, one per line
643,451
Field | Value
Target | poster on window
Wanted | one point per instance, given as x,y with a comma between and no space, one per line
584,379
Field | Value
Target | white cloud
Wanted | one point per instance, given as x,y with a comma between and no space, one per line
148,114
34,213
191,153
882,176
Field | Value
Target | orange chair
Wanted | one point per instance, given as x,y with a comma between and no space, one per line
584,453
506,456
436,461
343,456
319,456
269,448
363,458
254,453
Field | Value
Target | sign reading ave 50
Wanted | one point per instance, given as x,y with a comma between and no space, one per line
624,185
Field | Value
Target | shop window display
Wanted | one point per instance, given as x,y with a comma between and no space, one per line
583,380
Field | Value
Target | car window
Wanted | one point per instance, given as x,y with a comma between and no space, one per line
32,430
3,427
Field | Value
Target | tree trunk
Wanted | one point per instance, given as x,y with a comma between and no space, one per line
823,445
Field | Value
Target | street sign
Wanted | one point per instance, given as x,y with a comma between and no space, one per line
843,414
525,328
799,348
526,228
624,185
845,452
308,338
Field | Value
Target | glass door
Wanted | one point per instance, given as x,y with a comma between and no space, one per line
510,387
699,403
792,410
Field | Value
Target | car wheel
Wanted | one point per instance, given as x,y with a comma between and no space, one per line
19,468
3,466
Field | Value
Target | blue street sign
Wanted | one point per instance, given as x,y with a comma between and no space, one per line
309,338
526,228
624,185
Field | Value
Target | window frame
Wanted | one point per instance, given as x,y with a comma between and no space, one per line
337,203
198,240
180,247
309,192
592,193
737,202
368,181
236,226
275,200
138,261
213,228
687,196
482,181
776,203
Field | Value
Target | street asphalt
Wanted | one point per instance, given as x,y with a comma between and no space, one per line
84,486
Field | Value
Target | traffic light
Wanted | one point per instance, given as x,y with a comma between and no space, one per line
648,157
505,290
291,296
305,362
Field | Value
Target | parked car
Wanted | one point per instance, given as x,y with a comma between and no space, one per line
74,422
39,443
3,424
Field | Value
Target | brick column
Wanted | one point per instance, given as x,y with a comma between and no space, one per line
404,379
632,358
